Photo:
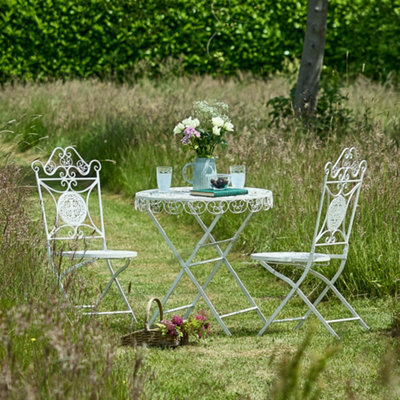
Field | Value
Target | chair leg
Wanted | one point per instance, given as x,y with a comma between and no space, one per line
112,280
277,311
60,276
330,285
344,302
57,275
295,289
313,309
115,279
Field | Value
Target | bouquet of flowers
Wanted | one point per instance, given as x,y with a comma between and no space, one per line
197,326
205,128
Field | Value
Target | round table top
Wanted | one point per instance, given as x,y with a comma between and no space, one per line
179,200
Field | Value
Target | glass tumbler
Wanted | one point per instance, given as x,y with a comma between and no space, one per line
238,175
164,177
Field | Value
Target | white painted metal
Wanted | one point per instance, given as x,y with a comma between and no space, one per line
70,184
340,192
291,257
179,200
100,254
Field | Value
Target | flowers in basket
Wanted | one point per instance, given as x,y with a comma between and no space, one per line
196,326
205,128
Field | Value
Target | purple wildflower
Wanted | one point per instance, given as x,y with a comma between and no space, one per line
190,131
200,317
171,328
185,140
177,320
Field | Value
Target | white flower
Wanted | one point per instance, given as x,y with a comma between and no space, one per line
217,122
228,126
179,128
194,123
216,131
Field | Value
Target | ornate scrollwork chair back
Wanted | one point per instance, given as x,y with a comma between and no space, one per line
338,203
69,182
339,200
70,198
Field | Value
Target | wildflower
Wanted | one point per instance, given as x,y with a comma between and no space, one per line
194,123
190,131
33,339
217,122
179,128
171,328
177,320
228,126
196,325
203,131
200,317
216,131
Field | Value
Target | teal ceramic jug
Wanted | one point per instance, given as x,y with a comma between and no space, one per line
204,170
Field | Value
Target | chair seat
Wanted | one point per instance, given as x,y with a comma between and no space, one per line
100,254
290,257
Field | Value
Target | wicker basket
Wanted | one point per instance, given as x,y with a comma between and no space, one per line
150,337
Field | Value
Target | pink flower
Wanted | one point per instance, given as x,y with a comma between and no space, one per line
200,317
177,320
171,328
190,131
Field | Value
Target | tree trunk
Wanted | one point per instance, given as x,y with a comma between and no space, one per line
305,101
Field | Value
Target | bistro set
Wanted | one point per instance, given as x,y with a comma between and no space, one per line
70,197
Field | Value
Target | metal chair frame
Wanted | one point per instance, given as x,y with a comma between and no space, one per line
340,193
70,182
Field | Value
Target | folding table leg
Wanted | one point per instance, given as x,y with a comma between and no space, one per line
186,269
224,259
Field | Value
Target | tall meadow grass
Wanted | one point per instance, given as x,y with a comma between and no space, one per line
46,349
129,128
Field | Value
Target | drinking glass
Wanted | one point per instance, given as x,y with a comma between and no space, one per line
164,177
238,175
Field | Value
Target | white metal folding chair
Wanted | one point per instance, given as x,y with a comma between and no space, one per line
339,198
70,198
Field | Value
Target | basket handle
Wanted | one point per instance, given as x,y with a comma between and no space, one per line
146,320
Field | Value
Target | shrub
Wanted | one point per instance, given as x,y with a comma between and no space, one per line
332,116
45,39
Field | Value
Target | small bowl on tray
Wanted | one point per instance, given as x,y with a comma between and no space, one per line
220,182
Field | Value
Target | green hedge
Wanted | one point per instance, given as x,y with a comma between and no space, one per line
43,39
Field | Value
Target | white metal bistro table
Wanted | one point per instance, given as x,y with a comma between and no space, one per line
179,200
